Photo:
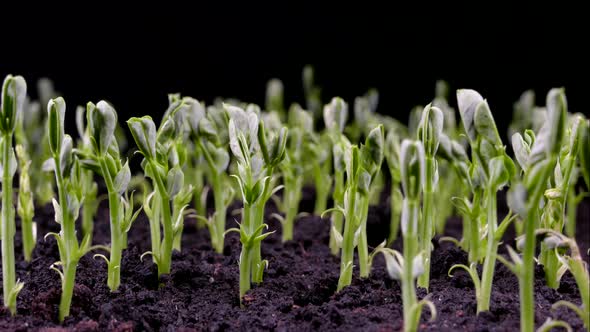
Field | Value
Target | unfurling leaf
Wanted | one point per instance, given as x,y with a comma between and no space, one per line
14,93
144,133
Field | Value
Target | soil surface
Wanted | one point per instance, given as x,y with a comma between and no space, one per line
298,293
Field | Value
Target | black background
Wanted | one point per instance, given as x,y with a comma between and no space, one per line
134,57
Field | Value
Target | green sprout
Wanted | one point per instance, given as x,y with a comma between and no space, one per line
293,168
258,153
429,131
66,166
210,134
361,165
539,157
335,116
410,265
392,156
14,90
491,169
164,156
103,157
26,207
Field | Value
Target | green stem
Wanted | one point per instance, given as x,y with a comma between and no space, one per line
322,190
292,197
347,255
155,236
69,258
257,268
28,237
7,227
114,267
410,250
475,246
336,218
165,258
218,228
246,254
483,301
527,272
395,203
68,282
427,224
90,206
363,246
572,205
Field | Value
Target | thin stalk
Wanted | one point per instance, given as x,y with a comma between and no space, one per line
69,258
246,254
292,197
409,299
475,246
336,218
571,214
257,271
67,289
322,191
347,254
483,301
114,267
165,258
427,225
363,246
218,227
28,237
200,206
155,236
90,206
395,210
527,273
8,227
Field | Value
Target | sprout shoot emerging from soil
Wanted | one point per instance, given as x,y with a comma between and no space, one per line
210,135
14,92
492,170
66,166
410,265
258,153
164,156
104,159
25,207
335,116
538,159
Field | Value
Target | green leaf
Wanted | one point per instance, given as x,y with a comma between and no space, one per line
102,121
122,178
174,181
14,93
364,182
195,112
430,129
412,167
56,109
336,114
144,133
468,100
485,125
521,150
374,146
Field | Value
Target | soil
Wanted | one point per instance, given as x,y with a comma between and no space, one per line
298,293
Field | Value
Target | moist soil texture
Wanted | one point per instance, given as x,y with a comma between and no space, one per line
298,292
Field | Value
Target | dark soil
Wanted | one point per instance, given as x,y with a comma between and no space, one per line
298,293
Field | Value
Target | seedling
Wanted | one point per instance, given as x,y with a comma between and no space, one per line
14,90
103,157
258,153
66,166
